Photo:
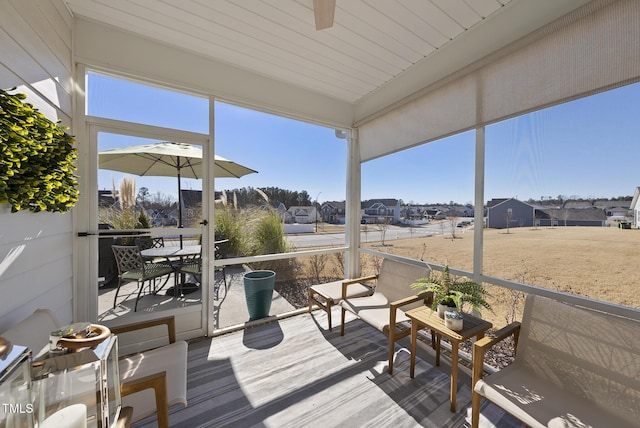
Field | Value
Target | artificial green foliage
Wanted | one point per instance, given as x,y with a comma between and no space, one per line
36,159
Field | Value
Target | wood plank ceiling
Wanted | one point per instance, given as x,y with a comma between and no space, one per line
371,42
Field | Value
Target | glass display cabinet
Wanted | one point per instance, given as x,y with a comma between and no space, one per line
62,383
16,405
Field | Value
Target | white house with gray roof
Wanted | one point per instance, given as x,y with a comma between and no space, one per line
635,206
381,211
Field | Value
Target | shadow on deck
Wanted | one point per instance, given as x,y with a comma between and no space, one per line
293,372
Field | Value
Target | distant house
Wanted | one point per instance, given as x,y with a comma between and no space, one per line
578,204
158,217
613,208
191,207
381,211
413,212
333,212
570,217
617,211
459,211
303,214
435,213
280,208
515,213
105,198
503,213
635,206
171,218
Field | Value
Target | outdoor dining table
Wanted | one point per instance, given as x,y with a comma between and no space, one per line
173,252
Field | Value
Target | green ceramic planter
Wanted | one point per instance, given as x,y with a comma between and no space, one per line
258,289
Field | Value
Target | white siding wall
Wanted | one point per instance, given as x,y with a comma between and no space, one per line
36,260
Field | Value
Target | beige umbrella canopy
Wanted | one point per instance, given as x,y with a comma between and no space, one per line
167,159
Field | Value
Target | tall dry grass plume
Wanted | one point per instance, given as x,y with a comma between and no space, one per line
127,193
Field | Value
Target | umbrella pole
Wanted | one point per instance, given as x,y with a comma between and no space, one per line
180,225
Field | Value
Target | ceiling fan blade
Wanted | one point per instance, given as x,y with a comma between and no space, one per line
323,11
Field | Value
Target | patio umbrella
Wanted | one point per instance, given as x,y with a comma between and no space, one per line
167,159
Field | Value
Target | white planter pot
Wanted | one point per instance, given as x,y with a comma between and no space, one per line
453,320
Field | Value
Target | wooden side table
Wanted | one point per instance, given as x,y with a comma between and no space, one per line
424,317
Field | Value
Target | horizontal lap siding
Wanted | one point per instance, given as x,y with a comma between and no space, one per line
36,256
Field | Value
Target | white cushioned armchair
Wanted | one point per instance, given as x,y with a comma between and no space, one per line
150,381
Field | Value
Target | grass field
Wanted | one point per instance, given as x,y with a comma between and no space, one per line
596,262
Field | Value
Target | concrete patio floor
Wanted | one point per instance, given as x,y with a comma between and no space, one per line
229,308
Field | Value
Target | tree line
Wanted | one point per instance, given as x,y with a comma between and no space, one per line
244,197
249,196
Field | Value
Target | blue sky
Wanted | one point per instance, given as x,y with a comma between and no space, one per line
586,148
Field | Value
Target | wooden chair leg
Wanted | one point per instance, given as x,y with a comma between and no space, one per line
392,336
476,375
392,342
157,382
475,409
342,322
326,306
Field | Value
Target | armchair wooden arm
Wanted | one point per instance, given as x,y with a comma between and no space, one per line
361,279
393,308
157,382
347,282
403,302
479,349
168,321
498,336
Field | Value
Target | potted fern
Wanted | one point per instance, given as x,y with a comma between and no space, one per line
451,293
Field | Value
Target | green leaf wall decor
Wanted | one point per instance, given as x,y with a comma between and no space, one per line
37,159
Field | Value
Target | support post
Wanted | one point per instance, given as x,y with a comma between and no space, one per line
478,206
352,259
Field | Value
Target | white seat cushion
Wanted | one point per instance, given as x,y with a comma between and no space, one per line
374,310
333,290
171,358
538,403
33,332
